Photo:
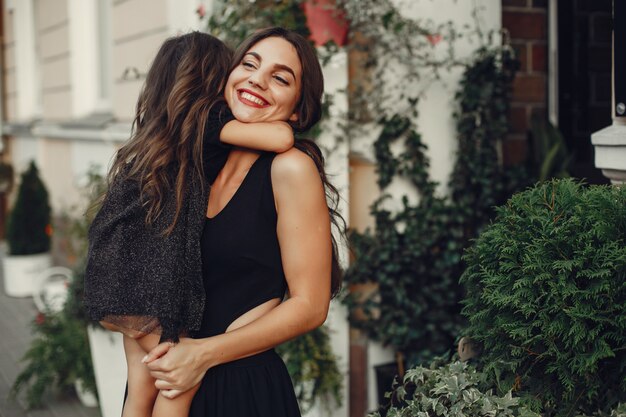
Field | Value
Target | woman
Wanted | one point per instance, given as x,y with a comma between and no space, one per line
275,209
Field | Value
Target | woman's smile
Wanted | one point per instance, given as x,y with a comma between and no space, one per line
252,99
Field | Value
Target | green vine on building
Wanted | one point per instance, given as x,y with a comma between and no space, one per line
413,256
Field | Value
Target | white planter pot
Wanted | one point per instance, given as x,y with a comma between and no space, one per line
51,289
87,398
21,271
109,363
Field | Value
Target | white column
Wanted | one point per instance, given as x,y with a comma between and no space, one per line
337,164
83,34
27,81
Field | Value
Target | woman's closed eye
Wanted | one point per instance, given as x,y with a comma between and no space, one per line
249,65
281,80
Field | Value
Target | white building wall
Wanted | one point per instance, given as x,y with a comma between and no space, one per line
139,27
53,58
27,103
8,66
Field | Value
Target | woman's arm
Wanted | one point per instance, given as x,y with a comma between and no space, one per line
264,136
304,235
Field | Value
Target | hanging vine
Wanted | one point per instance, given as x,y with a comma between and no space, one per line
413,256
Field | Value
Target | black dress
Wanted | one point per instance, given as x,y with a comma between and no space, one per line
242,269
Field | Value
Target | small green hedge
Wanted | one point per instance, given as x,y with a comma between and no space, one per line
28,224
453,390
546,296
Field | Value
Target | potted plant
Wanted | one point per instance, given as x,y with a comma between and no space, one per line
326,22
28,235
57,358
546,297
106,348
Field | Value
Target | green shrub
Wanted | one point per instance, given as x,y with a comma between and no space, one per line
28,224
57,356
546,296
619,411
455,390
313,368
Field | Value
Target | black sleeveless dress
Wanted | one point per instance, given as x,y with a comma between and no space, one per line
242,269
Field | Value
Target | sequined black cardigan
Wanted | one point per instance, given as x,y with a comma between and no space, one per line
135,275
139,279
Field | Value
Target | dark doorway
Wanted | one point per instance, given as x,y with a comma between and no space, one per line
584,73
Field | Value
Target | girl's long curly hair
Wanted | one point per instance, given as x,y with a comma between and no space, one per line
186,80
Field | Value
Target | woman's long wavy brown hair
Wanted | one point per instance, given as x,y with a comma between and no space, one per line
185,81
309,111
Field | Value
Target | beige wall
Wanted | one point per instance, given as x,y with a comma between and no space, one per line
138,29
363,193
56,170
53,54
8,67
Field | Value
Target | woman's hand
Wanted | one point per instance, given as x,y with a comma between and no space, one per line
176,368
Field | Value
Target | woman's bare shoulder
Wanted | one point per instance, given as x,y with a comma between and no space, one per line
294,166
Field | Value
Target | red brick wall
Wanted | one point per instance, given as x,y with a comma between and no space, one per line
527,24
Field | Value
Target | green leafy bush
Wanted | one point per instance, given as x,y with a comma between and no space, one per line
313,368
234,20
619,411
546,296
413,256
57,356
455,390
28,224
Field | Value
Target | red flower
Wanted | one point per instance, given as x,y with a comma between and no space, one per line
48,229
201,11
434,39
40,319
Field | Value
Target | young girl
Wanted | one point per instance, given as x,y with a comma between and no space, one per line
142,277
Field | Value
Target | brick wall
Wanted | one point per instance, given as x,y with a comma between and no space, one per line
527,24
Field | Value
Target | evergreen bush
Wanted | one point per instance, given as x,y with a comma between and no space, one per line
546,296
28,224
452,390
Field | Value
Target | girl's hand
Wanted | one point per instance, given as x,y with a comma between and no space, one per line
176,368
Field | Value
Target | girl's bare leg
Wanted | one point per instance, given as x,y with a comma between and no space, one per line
141,390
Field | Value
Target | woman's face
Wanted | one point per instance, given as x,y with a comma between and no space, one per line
265,85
